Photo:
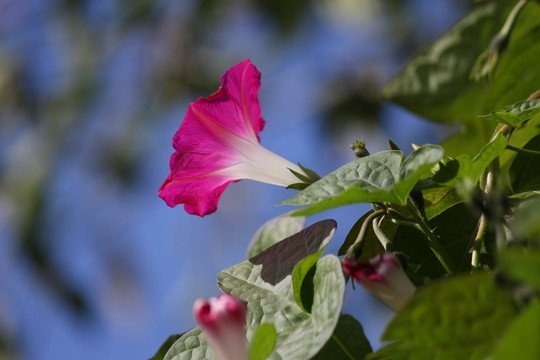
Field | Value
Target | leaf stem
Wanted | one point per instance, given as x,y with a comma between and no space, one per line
356,248
525,151
433,241
344,347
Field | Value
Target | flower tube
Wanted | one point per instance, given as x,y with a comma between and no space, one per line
383,277
218,143
222,320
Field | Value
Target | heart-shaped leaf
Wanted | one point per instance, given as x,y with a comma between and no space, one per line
382,177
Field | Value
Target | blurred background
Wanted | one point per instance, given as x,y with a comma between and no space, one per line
93,265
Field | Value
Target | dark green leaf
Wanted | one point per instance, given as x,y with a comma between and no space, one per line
462,317
436,83
515,114
524,171
263,342
348,335
525,224
521,266
454,229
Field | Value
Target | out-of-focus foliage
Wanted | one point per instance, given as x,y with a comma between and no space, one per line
83,82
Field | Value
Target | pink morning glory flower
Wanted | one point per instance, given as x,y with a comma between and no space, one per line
383,277
222,320
218,143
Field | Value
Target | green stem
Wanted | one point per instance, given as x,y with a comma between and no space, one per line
478,241
356,248
482,225
433,241
346,349
525,151
383,239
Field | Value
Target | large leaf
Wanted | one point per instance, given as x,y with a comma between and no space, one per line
459,318
381,177
348,341
264,282
521,339
192,345
515,114
274,231
437,84
300,335
521,266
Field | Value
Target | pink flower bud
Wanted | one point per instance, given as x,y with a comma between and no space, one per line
383,277
222,320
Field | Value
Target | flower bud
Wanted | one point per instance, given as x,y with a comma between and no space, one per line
222,320
383,277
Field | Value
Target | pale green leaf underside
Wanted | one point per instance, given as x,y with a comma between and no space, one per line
382,177
300,335
274,231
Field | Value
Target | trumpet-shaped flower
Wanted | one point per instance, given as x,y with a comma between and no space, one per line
218,143
383,277
222,320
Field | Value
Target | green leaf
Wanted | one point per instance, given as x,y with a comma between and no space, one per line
436,83
525,224
515,114
452,171
347,342
264,283
465,168
302,287
191,345
300,335
458,318
439,199
521,266
521,339
524,171
160,354
274,231
519,138
263,342
371,245
381,177
453,229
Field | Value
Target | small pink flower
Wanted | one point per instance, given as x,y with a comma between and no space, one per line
218,143
383,277
222,320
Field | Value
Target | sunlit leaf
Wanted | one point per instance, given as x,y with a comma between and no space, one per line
381,177
263,342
